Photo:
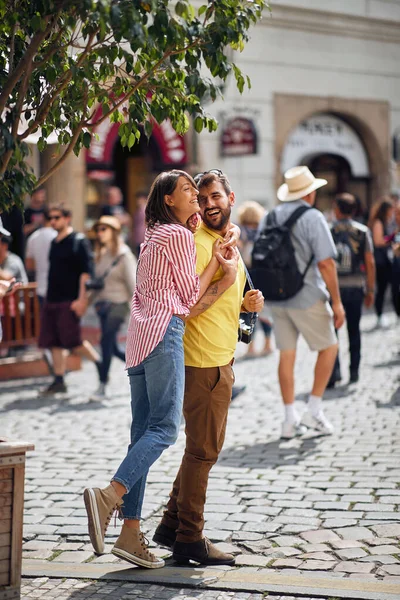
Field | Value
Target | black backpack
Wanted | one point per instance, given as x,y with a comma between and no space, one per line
274,267
350,241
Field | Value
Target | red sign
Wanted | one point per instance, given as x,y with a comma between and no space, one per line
239,137
172,147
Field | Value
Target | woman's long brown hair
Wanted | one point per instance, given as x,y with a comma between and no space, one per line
157,210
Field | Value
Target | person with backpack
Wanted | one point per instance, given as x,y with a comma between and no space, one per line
70,267
294,267
356,271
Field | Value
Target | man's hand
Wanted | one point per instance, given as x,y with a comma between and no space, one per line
79,307
253,301
369,299
229,263
338,315
232,237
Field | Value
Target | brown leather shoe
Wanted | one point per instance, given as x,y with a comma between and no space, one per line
100,506
164,536
203,552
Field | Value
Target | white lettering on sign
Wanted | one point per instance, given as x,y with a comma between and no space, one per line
325,134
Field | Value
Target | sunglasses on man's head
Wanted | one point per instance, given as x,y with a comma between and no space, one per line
198,177
54,217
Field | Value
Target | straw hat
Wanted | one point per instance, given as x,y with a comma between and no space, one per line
299,181
109,221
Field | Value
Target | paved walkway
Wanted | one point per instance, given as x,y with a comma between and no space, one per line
319,513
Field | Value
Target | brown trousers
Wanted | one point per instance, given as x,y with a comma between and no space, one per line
208,394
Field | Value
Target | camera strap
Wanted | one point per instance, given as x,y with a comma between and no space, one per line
250,281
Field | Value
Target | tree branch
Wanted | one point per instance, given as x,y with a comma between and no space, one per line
44,108
22,66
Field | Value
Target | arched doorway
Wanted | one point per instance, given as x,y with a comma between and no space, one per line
368,119
333,150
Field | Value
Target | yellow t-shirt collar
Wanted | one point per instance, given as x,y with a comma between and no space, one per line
211,232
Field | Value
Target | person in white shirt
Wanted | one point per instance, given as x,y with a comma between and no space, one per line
37,255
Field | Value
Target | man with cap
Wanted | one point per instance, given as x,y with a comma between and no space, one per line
308,312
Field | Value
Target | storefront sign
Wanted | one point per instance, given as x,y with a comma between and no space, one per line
325,134
239,137
171,146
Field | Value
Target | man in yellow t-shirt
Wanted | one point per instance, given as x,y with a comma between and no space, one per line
210,341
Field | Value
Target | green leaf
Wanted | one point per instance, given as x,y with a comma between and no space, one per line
198,124
131,140
87,138
148,129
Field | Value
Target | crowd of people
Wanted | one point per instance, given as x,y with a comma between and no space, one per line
186,276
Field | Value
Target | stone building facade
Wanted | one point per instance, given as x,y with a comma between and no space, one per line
325,91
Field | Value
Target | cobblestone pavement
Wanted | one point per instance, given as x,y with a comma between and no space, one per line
80,590
320,506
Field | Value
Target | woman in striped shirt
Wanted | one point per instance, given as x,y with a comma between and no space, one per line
166,288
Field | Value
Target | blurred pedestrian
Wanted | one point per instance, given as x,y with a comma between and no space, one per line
70,266
250,214
37,255
166,288
381,217
115,274
139,221
34,216
356,272
308,312
11,266
210,342
396,262
115,208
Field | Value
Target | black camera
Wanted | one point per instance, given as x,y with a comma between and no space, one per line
247,325
96,284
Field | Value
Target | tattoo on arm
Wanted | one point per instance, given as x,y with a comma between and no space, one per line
210,296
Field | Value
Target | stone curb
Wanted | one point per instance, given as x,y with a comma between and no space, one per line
233,580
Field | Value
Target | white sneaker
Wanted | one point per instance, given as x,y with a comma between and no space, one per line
100,394
291,430
318,422
382,322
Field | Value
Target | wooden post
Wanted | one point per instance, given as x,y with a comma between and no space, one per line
12,475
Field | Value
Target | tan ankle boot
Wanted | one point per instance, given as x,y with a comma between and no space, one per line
100,506
133,547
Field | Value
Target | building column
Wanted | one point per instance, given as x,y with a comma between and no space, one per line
67,185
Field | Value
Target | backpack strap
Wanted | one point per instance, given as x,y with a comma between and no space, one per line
270,221
289,224
295,216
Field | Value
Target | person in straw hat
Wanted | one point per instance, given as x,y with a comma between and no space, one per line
115,268
308,312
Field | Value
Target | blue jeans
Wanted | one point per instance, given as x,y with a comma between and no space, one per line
111,318
157,388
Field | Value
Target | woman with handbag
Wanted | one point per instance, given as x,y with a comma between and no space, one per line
167,287
112,290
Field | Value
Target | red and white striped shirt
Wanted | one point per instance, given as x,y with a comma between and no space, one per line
166,284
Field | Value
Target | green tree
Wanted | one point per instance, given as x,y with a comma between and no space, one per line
142,60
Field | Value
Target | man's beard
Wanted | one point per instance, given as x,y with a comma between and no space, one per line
224,219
